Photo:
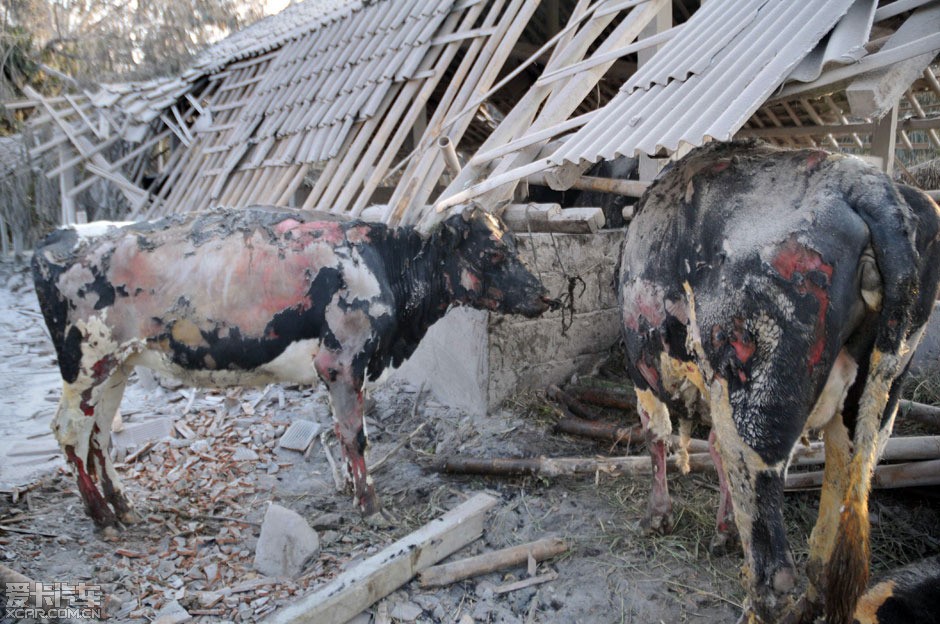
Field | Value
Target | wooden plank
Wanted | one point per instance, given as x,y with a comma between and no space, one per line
577,221
376,577
884,139
522,217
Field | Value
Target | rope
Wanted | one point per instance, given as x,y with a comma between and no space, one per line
567,299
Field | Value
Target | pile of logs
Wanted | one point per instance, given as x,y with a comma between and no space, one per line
906,462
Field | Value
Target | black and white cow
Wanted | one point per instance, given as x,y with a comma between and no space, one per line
252,297
776,292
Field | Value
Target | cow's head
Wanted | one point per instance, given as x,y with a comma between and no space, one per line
483,269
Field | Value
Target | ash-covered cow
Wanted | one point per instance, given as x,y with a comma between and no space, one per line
773,293
252,297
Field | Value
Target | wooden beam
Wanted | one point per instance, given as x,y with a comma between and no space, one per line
835,129
371,580
872,95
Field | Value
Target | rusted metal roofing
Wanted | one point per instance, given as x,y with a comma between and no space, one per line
707,81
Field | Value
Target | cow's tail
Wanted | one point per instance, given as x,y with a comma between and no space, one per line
892,239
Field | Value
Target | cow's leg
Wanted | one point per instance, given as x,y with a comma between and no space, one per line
75,429
655,419
726,533
346,403
757,496
835,481
109,399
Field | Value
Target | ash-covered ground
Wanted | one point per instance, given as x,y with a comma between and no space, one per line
204,491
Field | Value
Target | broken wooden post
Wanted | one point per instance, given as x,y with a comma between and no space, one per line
448,573
450,155
349,593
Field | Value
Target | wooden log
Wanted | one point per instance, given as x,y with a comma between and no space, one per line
629,188
603,397
625,388
448,573
919,412
565,466
911,474
352,591
599,430
575,406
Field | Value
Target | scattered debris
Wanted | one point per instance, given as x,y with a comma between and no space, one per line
136,436
299,436
376,577
286,543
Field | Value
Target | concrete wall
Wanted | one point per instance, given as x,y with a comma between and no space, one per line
475,360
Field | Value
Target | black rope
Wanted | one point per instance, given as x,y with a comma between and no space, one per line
567,299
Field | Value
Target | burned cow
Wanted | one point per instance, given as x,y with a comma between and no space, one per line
776,292
253,297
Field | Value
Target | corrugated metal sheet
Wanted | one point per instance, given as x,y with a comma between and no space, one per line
273,31
143,102
680,99
845,44
323,84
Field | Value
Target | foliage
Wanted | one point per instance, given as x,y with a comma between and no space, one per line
105,40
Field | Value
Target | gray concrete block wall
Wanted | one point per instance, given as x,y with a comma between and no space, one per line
532,353
475,360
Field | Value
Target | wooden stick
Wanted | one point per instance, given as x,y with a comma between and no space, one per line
562,466
529,582
603,397
10,529
491,561
599,430
890,476
924,414
575,406
622,388
349,593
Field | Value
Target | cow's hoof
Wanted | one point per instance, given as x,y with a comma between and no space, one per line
109,532
130,517
369,505
724,543
657,524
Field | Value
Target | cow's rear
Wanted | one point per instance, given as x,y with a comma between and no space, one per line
775,292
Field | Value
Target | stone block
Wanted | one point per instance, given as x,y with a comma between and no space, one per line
286,542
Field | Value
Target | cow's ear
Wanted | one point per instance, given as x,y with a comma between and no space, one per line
455,230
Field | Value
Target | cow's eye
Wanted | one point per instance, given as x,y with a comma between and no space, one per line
497,257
